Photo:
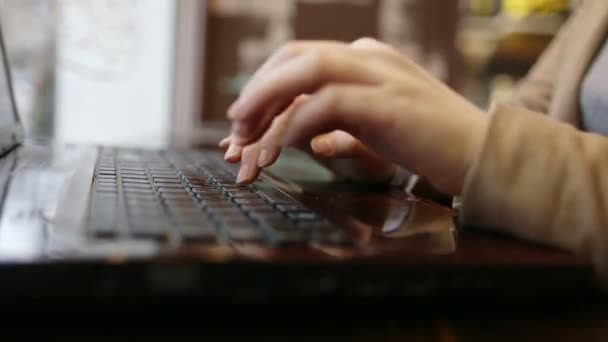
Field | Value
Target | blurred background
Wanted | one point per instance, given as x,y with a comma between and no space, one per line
153,73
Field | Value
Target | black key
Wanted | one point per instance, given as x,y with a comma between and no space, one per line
214,198
164,175
104,229
197,232
198,182
135,181
243,194
138,177
178,191
205,188
146,210
303,216
149,229
167,179
145,185
134,174
193,220
236,187
249,201
266,214
273,195
125,169
185,197
141,196
106,197
107,185
140,193
221,206
188,212
105,189
160,169
258,207
242,230
290,207
181,202
187,209
278,224
107,178
144,205
166,185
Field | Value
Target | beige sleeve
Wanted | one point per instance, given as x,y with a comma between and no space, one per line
535,90
541,180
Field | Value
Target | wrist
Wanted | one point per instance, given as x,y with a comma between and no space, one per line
477,135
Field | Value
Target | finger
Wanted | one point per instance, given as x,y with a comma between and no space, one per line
270,143
302,75
283,54
233,154
338,107
225,143
249,170
338,144
349,157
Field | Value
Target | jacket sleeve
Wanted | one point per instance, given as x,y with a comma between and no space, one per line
541,180
535,90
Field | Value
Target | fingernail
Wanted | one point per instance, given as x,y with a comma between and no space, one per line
232,153
265,157
243,174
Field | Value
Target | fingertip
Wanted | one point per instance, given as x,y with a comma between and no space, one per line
322,146
225,143
233,154
247,174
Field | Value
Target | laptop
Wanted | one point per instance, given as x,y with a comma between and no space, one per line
110,224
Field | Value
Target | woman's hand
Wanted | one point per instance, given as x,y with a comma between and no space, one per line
337,150
394,108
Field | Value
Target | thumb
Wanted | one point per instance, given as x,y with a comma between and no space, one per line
350,158
336,145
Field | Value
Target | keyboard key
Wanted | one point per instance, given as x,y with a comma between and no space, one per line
133,177
130,186
177,191
166,180
169,185
198,232
273,195
249,201
290,207
303,216
136,191
104,229
242,195
149,229
136,181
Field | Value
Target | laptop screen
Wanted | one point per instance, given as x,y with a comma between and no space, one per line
10,126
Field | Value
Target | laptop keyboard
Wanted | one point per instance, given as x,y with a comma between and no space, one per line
191,196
